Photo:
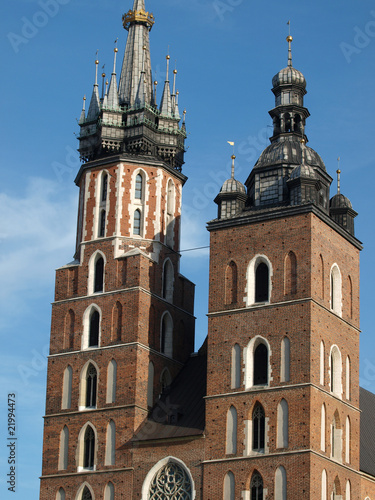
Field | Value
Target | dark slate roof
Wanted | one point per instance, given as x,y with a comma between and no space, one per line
180,412
367,443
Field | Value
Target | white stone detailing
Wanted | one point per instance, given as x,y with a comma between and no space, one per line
249,298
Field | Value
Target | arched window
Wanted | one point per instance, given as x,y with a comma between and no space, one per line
111,382
64,448
231,446
259,428
290,274
282,424
236,367
109,492
99,275
138,194
323,428
94,329
229,486
165,379
117,322
260,365
91,386
348,490
336,494
321,376
256,486
336,371
231,283
137,223
324,485
336,293
60,495
285,360
150,385
168,279
169,482
86,494
336,438
110,445
102,220
347,378
347,440
262,283
66,400
103,197
89,448
166,338
280,484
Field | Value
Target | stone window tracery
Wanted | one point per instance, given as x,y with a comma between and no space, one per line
171,482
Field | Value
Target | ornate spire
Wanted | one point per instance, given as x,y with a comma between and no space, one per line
166,100
94,108
289,39
83,112
112,100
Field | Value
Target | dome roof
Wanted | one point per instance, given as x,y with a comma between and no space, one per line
289,75
233,186
305,171
289,152
340,201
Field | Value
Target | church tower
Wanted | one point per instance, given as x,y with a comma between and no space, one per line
282,421
122,318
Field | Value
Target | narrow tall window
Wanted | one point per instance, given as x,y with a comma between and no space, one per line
280,484
336,489
285,360
347,378
67,388
60,495
94,329
324,485
109,492
99,275
168,279
102,218
64,448
261,283
256,486
336,371
138,187
348,490
137,223
229,487
231,446
89,448
86,494
336,438
259,428
110,444
323,428
69,330
91,386
350,287
166,340
321,376
347,440
336,293
104,187
282,424
236,367
231,283
260,365
321,263
111,382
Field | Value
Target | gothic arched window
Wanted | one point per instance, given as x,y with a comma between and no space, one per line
138,187
94,329
88,450
336,292
86,494
99,275
231,445
260,365
101,232
261,283
280,484
259,428
229,486
166,340
168,279
256,487
170,482
91,386
137,223
104,187
60,495
236,367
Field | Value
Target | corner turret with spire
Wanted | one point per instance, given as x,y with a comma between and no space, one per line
127,119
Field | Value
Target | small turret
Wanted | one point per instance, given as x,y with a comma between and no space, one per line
232,197
341,209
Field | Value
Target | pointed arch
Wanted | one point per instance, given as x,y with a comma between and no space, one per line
102,223
88,385
165,379
322,369
66,400
137,223
257,362
60,495
336,290
336,437
117,322
166,337
259,274
347,440
96,267
91,327
139,186
231,442
170,472
285,360
69,329
111,382
236,367
110,446
87,451
85,492
282,424
150,385
347,378
280,484
260,376
336,371
324,485
350,296
323,427
104,187
290,274
256,486
348,490
258,428
109,491
168,280
229,486
231,283
336,488
64,449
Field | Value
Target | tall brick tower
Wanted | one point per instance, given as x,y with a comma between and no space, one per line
282,420
122,319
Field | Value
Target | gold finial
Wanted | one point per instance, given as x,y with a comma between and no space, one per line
177,92
96,62
115,49
168,57
84,98
106,82
175,71
103,75
233,157
155,82
289,38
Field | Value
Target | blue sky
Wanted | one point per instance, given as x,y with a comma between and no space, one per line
226,53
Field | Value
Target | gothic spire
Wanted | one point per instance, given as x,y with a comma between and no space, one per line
138,22
83,112
95,99
112,99
166,100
